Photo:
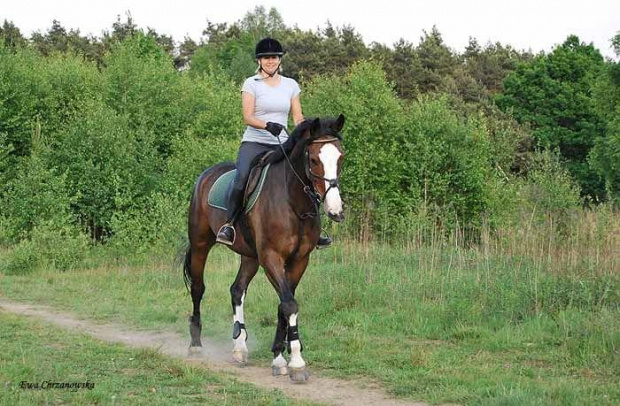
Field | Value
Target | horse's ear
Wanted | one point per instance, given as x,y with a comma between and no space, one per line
339,123
315,127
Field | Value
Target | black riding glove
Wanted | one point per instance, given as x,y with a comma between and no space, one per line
274,128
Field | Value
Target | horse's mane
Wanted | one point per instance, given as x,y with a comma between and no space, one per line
296,137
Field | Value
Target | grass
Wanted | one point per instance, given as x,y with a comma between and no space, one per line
36,353
438,324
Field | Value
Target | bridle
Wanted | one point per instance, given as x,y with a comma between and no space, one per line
310,190
333,183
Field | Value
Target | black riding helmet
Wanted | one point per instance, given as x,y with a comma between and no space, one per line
268,47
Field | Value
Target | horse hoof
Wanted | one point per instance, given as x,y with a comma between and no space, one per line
279,371
240,356
298,375
194,351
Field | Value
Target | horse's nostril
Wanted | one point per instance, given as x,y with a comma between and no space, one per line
337,217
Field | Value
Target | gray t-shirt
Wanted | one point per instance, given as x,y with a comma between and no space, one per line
270,104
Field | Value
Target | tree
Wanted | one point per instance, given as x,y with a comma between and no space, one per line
164,41
553,95
489,66
437,60
260,24
305,54
230,48
55,40
605,156
10,36
402,66
122,30
186,50
58,40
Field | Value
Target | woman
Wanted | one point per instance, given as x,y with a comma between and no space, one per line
267,99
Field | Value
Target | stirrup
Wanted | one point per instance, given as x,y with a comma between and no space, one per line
223,237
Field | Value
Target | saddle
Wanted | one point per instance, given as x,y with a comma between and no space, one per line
218,195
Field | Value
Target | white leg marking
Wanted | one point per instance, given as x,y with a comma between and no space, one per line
279,361
240,350
278,366
329,155
296,360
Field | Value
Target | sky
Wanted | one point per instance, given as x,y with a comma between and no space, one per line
536,25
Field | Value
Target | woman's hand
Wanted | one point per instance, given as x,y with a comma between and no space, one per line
274,128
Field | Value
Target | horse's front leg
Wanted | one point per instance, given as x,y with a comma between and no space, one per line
238,291
279,364
285,283
297,366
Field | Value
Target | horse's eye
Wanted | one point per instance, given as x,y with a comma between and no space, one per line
314,161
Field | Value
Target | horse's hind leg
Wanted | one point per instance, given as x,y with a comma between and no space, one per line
238,290
194,271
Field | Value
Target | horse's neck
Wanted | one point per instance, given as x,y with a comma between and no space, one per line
291,179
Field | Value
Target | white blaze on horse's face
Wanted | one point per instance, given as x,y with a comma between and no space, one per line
329,156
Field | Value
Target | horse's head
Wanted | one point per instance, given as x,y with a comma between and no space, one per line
324,155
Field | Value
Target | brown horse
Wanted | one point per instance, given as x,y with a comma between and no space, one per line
279,233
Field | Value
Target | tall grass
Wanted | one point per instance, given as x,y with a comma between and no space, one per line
573,242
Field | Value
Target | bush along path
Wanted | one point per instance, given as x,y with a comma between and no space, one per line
215,356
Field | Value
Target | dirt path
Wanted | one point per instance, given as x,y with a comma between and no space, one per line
216,356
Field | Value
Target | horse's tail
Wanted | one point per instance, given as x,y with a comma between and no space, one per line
185,253
187,271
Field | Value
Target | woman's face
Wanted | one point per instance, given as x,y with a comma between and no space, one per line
270,63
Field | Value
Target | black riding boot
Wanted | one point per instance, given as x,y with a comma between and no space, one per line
324,242
226,235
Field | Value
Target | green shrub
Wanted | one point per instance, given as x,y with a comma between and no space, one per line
605,159
61,248
68,84
23,259
142,86
48,247
20,103
214,102
190,156
38,195
404,158
159,219
372,175
448,157
43,92
108,167
549,192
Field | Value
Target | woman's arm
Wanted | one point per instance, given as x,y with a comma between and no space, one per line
247,102
298,116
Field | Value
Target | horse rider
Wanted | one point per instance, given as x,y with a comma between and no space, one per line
267,99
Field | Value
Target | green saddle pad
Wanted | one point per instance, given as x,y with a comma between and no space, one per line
217,194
